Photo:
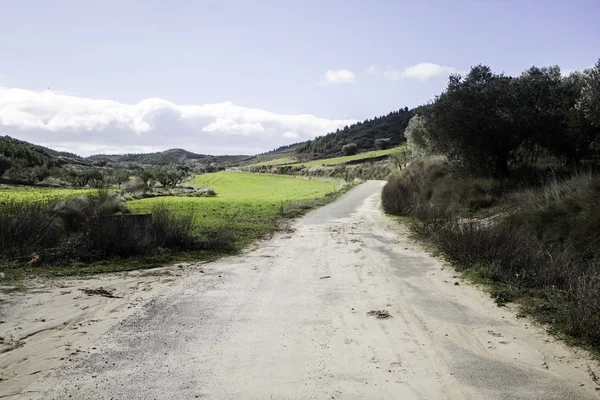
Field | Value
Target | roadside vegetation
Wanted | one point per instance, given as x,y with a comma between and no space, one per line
73,231
505,185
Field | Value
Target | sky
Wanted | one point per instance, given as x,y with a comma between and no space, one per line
244,77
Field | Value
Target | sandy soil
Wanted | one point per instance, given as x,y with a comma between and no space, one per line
343,306
54,320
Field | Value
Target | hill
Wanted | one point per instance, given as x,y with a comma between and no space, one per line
14,152
363,134
166,157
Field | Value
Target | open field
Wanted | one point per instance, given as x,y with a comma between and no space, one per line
277,161
328,161
248,205
39,194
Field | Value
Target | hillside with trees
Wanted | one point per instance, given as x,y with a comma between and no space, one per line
171,156
371,134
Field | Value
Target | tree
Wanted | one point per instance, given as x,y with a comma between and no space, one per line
590,95
383,143
5,164
147,176
417,137
118,176
85,176
401,157
343,171
473,122
350,149
169,176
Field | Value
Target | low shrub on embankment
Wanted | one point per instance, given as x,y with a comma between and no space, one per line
536,244
91,228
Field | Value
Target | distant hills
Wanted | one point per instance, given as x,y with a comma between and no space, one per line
167,157
363,134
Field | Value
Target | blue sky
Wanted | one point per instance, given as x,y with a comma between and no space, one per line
242,77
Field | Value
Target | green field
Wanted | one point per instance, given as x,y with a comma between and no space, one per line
247,204
345,159
35,194
328,161
277,161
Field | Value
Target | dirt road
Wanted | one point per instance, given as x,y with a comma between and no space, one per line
297,318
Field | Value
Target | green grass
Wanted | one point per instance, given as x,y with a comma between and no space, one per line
327,161
250,205
276,161
36,194
345,159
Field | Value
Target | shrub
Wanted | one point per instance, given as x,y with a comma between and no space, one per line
545,247
76,211
172,229
26,228
350,149
383,144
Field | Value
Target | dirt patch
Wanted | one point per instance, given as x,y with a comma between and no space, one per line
100,292
379,314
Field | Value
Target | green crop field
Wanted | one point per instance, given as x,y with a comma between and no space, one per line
277,161
328,161
247,204
345,159
35,194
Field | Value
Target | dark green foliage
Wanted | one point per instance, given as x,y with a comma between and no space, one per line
172,156
488,124
170,176
146,175
5,164
363,134
350,149
84,176
29,175
26,228
383,143
29,155
118,176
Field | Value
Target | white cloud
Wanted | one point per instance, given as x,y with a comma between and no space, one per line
421,71
229,125
372,70
339,76
86,126
290,135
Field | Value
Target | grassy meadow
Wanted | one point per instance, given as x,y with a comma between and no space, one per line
73,240
327,161
247,204
39,194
